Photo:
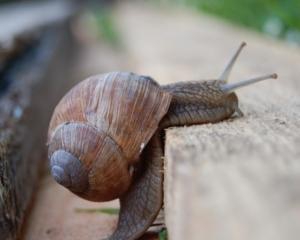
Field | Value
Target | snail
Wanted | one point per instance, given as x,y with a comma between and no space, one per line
105,138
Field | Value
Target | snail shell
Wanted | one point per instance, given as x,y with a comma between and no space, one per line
99,129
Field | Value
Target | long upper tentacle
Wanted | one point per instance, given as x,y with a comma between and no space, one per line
225,74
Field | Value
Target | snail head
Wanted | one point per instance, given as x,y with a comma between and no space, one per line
222,92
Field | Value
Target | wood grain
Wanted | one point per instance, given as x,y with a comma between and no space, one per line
25,110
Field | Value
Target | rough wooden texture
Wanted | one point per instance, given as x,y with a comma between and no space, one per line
238,179
25,111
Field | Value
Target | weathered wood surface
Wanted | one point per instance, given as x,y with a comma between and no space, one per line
30,83
238,179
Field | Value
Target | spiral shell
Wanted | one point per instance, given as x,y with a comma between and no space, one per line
99,129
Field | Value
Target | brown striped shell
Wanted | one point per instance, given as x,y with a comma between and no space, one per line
99,129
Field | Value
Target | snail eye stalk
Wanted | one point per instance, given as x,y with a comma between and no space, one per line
230,87
225,74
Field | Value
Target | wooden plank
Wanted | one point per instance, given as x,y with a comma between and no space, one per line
238,179
232,181
25,109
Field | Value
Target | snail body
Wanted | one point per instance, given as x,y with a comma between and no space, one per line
104,139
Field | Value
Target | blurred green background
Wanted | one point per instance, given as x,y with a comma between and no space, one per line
278,18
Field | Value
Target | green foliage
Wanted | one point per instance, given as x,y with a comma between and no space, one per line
275,17
163,235
110,211
106,26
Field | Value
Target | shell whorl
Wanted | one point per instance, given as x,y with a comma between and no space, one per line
88,162
68,171
104,123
